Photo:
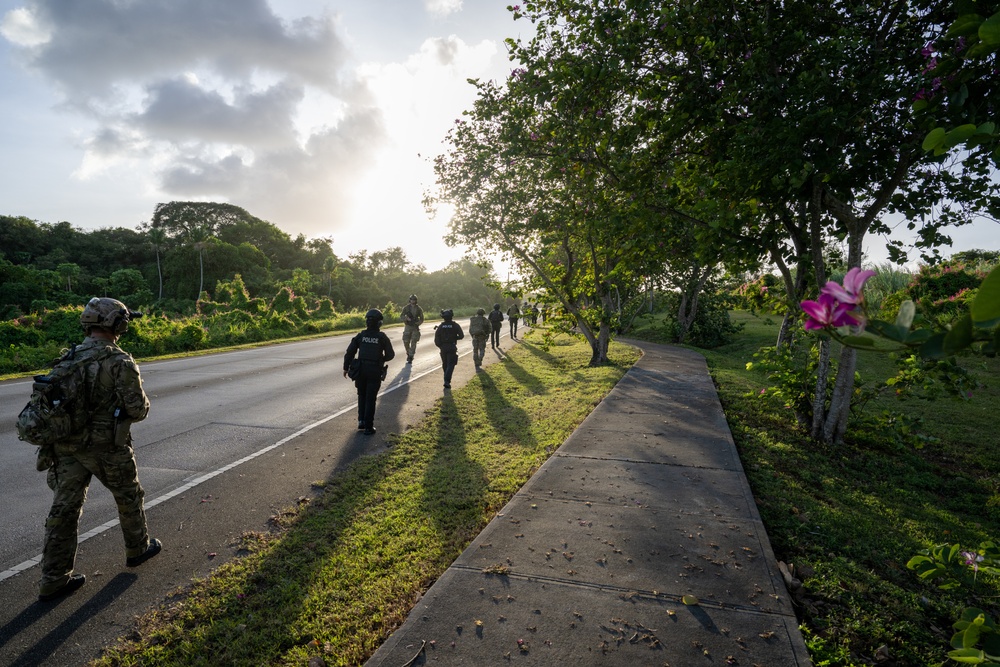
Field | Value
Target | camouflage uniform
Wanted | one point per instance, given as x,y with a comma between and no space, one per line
412,317
479,329
513,313
102,450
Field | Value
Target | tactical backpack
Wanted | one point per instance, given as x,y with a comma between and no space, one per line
58,406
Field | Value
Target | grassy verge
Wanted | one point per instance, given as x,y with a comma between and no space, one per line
337,575
850,517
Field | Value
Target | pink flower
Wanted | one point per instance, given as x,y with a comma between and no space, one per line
828,311
852,293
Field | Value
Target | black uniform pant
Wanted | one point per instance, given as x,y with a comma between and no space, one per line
368,384
495,336
513,326
449,359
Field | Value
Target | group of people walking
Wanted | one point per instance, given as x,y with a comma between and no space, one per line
370,350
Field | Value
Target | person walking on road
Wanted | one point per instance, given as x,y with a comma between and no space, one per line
102,448
513,314
374,350
496,321
479,329
412,316
446,337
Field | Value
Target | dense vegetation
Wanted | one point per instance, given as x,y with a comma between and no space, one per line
46,265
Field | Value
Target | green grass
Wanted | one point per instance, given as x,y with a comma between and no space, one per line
851,516
339,574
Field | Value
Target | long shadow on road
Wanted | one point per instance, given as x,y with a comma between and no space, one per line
47,645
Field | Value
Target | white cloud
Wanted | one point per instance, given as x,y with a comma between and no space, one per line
21,27
443,7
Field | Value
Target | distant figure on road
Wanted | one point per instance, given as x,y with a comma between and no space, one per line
534,314
446,337
496,320
102,448
413,317
373,350
479,329
513,314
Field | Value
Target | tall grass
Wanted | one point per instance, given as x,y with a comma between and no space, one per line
889,278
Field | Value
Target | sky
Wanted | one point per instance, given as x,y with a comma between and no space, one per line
321,117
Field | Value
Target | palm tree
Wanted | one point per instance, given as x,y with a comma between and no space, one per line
329,266
158,238
198,237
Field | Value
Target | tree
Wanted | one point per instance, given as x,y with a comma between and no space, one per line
69,271
157,239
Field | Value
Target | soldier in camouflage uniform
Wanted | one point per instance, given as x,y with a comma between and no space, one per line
412,316
480,329
103,449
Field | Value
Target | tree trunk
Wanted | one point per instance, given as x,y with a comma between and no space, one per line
843,388
159,273
688,308
819,397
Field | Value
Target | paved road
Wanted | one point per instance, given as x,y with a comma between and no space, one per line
231,438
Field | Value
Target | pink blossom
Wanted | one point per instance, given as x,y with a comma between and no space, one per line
852,293
828,311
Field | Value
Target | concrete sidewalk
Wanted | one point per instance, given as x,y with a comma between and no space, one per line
643,508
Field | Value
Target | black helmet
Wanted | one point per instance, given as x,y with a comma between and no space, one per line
481,311
373,316
107,313
447,313
496,306
413,297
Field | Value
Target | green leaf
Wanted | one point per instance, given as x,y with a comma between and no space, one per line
918,336
934,139
989,31
987,128
965,26
960,336
858,341
905,318
933,347
986,305
968,656
689,600
959,135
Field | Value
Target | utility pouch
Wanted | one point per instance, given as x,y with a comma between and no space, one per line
385,371
354,369
122,425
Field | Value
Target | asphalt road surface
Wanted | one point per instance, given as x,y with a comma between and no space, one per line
230,439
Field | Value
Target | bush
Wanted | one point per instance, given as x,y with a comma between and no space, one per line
712,326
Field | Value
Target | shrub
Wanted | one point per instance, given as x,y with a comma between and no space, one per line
712,326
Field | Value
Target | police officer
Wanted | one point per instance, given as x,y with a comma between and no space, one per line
479,329
373,350
496,321
412,316
513,314
446,337
102,449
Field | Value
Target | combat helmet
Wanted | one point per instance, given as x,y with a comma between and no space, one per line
107,313
413,297
373,317
481,311
447,313
496,306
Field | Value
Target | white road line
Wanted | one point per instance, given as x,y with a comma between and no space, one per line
94,532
